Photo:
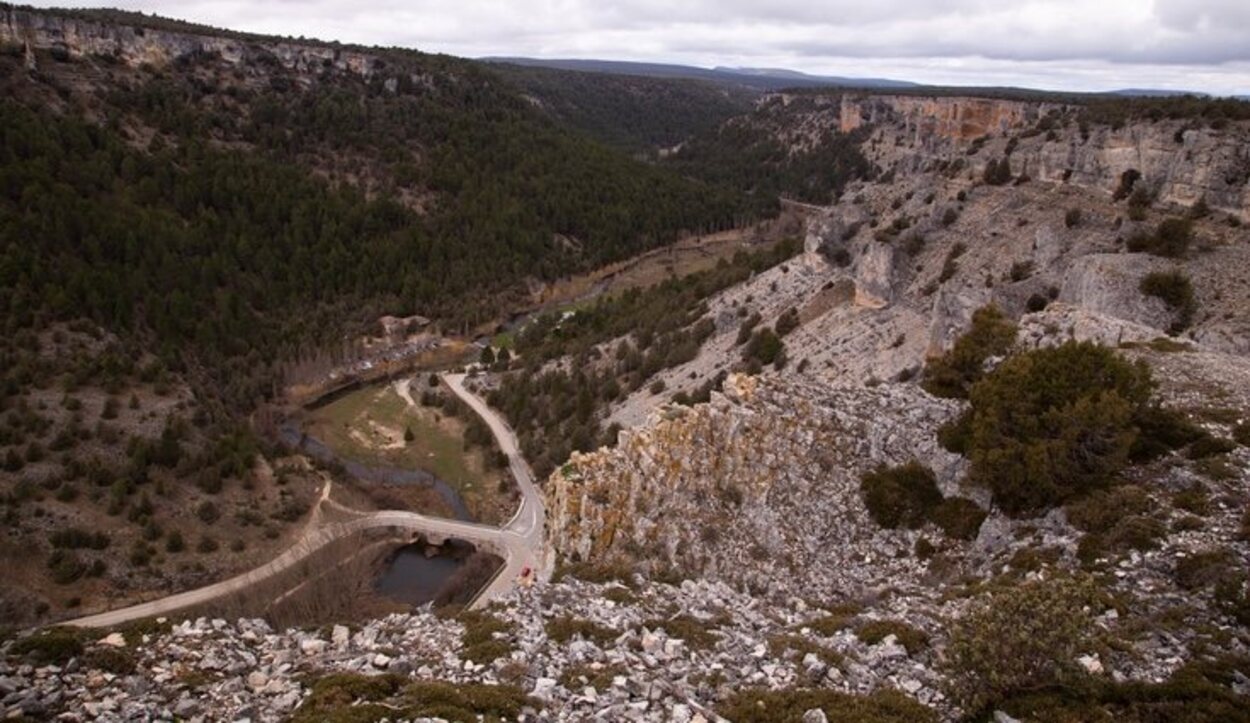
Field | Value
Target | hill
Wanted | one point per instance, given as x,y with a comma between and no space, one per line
756,79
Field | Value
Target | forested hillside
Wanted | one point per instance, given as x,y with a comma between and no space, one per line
236,212
635,113
777,151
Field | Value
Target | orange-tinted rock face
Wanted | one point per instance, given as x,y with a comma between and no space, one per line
953,118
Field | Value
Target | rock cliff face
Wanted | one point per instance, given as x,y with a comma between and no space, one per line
927,121
755,488
1180,162
134,45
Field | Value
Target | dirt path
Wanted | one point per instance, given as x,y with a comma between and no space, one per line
519,542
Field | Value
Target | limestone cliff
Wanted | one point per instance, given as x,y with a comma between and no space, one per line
1180,161
759,485
928,120
134,45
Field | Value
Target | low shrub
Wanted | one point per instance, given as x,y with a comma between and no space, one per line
901,496
781,645
332,694
485,638
1175,290
953,374
788,706
1161,430
910,637
110,660
50,646
1199,692
960,518
1099,511
831,624
764,347
1020,270
698,634
1203,569
1209,446
1170,239
564,628
465,701
1020,639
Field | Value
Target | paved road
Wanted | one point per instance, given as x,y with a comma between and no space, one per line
519,542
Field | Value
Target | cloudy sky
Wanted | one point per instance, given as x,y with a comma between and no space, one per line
1056,44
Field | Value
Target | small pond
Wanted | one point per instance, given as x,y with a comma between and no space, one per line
411,576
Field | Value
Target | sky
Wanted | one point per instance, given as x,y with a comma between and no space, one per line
1082,45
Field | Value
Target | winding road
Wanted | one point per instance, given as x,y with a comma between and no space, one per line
519,542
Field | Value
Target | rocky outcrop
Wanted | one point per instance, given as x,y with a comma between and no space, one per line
925,121
136,45
1108,285
1179,161
758,485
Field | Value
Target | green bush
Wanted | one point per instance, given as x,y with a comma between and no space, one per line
564,628
1099,511
997,172
1160,430
910,637
764,347
50,646
1199,692
787,322
901,496
1171,239
1175,289
960,518
1204,569
788,706
1020,639
698,634
481,641
952,374
1051,424
344,697
109,660
469,702
1209,446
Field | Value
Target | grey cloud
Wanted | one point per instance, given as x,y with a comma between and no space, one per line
1118,42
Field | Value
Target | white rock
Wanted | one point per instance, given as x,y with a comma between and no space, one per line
381,660
815,715
257,680
114,640
312,646
672,647
543,688
1091,663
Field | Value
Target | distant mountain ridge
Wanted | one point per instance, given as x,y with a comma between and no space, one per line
763,79
773,79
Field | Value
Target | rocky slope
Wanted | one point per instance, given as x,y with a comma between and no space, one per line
893,271
757,488
134,45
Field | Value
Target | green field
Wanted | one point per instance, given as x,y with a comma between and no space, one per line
368,426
